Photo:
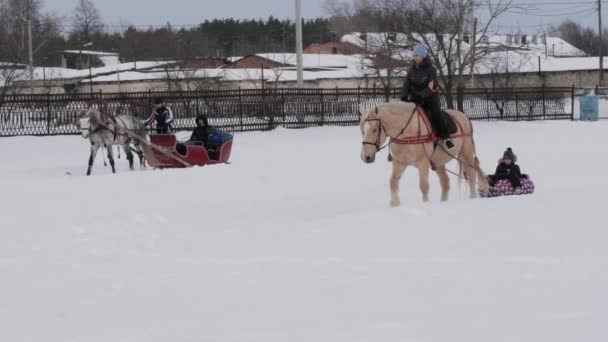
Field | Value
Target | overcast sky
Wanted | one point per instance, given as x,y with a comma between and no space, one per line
159,12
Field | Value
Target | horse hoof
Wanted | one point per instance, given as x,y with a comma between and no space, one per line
395,204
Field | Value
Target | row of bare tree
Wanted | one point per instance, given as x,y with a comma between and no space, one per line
446,27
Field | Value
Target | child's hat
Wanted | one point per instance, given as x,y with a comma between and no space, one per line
509,155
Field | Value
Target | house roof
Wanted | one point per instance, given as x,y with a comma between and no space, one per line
89,52
310,61
554,45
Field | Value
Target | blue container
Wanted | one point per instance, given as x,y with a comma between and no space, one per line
590,108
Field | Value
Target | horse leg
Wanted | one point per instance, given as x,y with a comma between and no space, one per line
127,147
92,158
140,153
423,173
111,157
398,169
444,180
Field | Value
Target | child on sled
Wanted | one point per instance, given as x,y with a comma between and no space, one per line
507,169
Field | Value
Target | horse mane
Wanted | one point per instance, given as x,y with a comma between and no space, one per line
396,107
94,117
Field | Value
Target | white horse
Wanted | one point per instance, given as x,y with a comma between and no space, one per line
122,130
412,143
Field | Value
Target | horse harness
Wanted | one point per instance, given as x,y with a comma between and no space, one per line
414,140
418,139
111,126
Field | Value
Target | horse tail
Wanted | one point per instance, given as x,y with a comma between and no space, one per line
461,173
482,178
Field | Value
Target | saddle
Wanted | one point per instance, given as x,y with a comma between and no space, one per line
448,121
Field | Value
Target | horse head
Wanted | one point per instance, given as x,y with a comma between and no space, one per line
373,133
89,121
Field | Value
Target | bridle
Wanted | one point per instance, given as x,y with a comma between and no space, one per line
382,129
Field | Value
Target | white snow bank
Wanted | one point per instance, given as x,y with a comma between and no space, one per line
294,242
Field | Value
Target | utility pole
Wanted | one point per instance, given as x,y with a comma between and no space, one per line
599,17
31,54
473,58
299,57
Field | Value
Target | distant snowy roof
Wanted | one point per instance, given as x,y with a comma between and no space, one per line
61,73
313,60
90,53
554,46
109,60
279,74
10,65
516,62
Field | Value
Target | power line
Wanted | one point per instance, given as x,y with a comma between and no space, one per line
532,8
537,4
585,11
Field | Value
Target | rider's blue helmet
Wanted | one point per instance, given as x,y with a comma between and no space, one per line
420,51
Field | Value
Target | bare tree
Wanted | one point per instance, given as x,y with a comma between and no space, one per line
504,68
14,18
381,49
86,20
581,37
444,26
9,73
352,16
190,79
440,25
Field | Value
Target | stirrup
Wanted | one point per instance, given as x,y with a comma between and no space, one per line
449,144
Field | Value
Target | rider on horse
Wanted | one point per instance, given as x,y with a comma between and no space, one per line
421,87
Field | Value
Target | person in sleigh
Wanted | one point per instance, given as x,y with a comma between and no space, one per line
509,170
208,136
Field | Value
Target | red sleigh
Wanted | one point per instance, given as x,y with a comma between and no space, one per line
167,152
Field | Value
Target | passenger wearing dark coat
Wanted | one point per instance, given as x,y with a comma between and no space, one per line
201,134
507,169
420,86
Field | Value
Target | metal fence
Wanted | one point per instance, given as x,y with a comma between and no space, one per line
265,109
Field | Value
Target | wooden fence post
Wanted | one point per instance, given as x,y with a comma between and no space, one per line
544,104
283,113
487,103
572,104
48,113
241,108
516,106
322,109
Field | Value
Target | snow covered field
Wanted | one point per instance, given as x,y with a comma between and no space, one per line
295,242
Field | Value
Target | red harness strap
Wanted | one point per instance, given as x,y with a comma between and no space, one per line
430,137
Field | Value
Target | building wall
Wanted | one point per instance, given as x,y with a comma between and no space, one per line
580,79
335,48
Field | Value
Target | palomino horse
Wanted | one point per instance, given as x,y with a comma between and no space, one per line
412,143
122,130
